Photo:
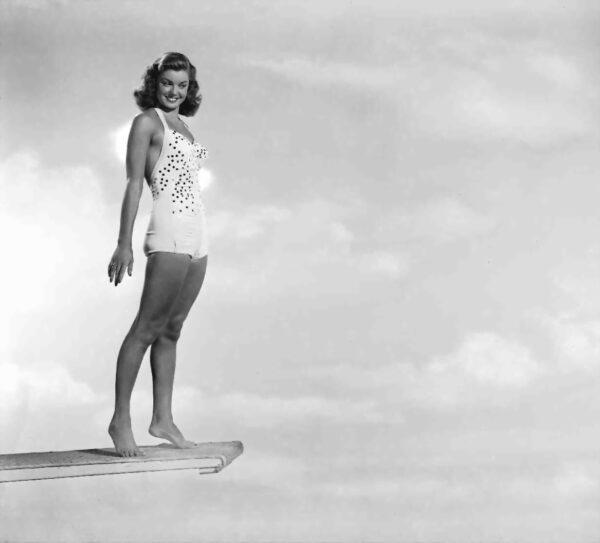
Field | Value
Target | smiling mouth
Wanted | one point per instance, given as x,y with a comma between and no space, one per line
171,99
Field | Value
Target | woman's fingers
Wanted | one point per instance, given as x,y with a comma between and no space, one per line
116,270
118,274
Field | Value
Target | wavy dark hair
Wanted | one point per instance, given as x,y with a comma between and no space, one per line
145,94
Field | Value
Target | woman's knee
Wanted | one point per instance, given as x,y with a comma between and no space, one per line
147,332
172,329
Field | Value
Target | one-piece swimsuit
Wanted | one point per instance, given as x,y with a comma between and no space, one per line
177,221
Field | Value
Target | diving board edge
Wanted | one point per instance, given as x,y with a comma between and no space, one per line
206,458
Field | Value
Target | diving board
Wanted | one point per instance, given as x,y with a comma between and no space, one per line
206,458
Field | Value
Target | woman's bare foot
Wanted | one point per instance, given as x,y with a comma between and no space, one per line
120,432
168,430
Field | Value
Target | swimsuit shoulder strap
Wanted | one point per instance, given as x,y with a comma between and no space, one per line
162,118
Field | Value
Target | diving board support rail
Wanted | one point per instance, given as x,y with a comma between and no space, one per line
206,458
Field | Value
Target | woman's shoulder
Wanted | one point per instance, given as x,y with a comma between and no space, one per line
149,113
147,120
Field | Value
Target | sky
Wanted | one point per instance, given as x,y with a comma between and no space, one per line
401,314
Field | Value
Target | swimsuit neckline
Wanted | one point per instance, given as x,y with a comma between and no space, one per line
184,136
173,130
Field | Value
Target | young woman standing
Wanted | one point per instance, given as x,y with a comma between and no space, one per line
162,150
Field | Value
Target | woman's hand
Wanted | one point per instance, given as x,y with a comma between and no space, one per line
122,259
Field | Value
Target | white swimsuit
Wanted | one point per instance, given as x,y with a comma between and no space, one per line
177,222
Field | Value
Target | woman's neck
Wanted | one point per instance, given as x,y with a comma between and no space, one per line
170,113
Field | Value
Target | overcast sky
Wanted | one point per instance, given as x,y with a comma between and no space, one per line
401,313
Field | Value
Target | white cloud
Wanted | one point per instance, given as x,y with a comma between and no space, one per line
45,386
577,342
559,69
501,98
577,479
54,287
119,139
473,86
444,219
341,233
205,178
310,245
260,410
485,369
323,72
59,225
437,220
402,487
249,223
261,469
39,4
387,264
491,359
254,410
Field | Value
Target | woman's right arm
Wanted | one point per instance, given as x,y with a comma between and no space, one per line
138,143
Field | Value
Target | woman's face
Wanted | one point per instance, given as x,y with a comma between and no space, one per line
172,88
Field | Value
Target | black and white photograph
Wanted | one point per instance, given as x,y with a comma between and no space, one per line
282,271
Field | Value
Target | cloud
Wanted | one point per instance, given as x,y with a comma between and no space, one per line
491,359
248,223
470,86
311,245
387,264
485,369
262,469
261,410
253,410
578,480
577,342
59,237
44,386
508,479
324,72
56,216
503,98
39,4
341,233
440,220
119,138
420,488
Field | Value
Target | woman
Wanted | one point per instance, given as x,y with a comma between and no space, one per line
162,150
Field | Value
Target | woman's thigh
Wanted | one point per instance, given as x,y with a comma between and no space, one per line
164,279
190,288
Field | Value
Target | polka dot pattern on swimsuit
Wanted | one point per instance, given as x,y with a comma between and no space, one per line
178,173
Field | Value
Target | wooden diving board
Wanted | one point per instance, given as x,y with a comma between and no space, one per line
206,458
